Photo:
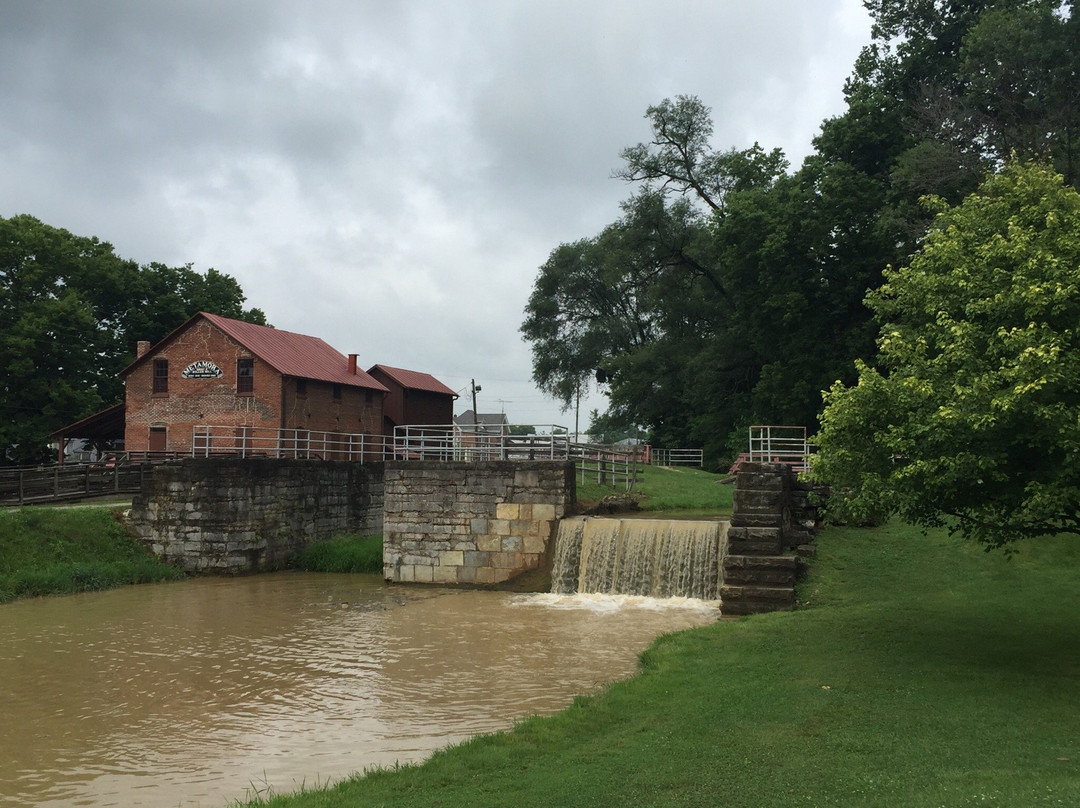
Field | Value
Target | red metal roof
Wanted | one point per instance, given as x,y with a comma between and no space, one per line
289,354
414,380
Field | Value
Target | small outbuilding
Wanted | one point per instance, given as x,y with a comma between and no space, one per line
413,398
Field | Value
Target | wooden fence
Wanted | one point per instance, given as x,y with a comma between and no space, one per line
26,486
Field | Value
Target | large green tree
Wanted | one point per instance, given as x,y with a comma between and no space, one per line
971,418
71,313
731,291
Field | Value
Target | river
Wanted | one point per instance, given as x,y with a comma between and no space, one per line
208,690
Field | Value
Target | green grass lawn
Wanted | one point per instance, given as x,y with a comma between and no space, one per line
48,551
918,671
669,488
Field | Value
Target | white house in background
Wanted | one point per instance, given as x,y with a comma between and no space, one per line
484,423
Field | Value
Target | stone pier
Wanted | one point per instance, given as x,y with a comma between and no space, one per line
773,516
471,523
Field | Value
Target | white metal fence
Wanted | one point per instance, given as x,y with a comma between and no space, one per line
469,443
780,444
605,464
250,441
677,457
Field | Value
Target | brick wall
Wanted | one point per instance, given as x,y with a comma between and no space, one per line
273,402
471,523
357,409
230,515
190,402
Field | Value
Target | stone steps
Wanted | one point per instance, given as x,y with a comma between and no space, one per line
754,570
757,583
771,518
740,600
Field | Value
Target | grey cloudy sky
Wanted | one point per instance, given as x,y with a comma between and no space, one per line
387,174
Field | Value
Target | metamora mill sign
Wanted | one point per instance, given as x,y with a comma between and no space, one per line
203,369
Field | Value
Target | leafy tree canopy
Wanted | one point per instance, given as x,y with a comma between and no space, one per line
972,417
720,296
71,313
731,291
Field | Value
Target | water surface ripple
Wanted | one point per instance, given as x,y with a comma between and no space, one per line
204,691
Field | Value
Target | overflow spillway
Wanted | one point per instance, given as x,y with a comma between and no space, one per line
652,557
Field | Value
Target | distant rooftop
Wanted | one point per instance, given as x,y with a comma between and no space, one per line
483,419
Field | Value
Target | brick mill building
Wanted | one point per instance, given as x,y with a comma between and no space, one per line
231,375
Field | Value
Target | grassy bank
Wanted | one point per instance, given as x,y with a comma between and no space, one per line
49,551
343,553
921,672
669,488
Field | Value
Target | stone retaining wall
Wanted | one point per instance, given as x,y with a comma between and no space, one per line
471,523
232,515
773,515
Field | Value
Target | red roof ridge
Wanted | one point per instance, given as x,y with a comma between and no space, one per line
414,379
287,352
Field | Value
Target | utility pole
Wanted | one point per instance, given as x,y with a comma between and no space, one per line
577,413
475,389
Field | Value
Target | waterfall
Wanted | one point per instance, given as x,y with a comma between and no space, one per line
658,558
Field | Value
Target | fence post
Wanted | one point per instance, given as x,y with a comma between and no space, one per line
22,490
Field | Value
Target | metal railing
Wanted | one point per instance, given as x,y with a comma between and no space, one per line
607,465
780,444
470,444
124,472
252,441
677,457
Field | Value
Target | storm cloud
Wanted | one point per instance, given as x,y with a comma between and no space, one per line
387,175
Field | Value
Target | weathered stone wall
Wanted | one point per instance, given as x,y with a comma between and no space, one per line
232,515
773,515
471,523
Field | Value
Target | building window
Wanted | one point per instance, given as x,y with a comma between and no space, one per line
161,375
245,375
301,387
337,392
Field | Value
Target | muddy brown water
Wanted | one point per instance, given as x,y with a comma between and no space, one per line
205,691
